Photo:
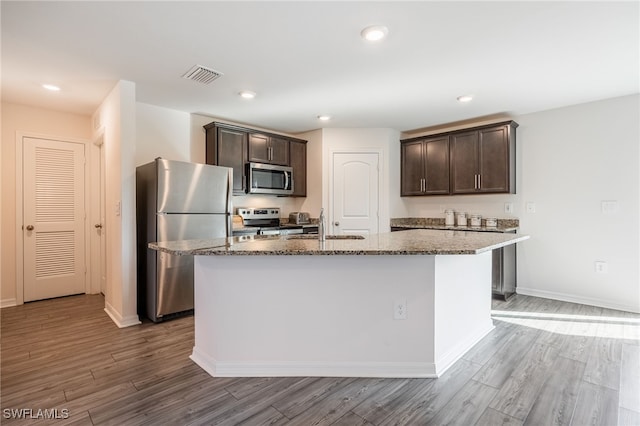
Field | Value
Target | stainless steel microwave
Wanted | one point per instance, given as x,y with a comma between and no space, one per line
269,179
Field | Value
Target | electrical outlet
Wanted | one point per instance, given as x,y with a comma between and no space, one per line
531,207
400,310
601,267
508,207
609,206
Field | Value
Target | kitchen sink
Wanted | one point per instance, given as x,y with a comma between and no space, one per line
328,237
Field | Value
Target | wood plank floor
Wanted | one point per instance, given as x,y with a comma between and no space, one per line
546,363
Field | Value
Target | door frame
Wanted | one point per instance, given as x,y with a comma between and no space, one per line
98,213
382,193
20,200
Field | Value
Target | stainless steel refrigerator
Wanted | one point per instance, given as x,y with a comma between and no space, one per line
176,200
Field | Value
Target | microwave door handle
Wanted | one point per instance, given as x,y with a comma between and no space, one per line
286,180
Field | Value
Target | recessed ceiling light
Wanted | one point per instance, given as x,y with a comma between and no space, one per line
324,117
51,87
248,94
465,98
374,33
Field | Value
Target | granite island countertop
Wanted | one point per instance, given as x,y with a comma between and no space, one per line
410,242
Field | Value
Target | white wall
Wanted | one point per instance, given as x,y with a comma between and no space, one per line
30,120
568,161
313,201
574,158
162,132
117,118
383,140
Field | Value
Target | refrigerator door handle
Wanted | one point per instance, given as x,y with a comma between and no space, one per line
230,204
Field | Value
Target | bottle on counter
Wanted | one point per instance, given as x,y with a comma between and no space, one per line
449,217
462,218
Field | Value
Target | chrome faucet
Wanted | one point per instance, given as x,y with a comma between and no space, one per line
321,226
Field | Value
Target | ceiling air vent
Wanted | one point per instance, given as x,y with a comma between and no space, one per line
202,74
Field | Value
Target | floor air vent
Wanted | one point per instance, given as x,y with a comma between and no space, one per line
202,74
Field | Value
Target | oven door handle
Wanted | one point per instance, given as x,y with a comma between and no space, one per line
286,180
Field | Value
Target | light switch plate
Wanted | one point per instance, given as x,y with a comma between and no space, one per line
531,207
508,207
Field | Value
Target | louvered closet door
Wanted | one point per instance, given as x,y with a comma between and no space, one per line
53,218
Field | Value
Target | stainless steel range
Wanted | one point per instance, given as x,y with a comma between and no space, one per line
267,220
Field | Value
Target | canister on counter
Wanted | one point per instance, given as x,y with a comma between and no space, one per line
449,218
491,222
476,220
462,218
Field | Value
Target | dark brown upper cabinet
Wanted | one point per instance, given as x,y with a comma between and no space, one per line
268,149
477,160
227,146
425,167
483,160
298,159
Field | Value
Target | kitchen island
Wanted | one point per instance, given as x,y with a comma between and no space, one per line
404,304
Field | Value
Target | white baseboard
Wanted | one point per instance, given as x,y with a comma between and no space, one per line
313,369
572,298
5,303
118,319
455,353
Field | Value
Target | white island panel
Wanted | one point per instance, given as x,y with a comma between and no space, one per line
333,315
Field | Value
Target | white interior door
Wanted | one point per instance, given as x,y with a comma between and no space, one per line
53,218
355,198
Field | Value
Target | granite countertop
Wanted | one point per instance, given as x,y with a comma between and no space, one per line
504,225
411,242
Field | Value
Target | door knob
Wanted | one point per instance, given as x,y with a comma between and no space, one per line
29,227
98,225
336,223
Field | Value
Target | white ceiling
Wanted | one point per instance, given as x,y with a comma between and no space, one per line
306,58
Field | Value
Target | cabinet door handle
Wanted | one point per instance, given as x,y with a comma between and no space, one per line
475,181
479,181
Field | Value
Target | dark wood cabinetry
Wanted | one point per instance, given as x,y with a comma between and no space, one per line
483,160
234,146
227,146
268,149
298,162
425,167
470,161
